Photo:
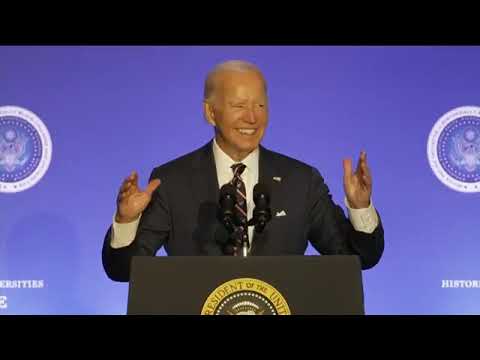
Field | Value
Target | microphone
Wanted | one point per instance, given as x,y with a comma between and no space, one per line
230,236
262,213
227,202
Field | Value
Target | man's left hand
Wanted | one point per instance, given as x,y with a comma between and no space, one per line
358,184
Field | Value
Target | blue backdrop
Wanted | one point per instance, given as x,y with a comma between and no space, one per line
109,109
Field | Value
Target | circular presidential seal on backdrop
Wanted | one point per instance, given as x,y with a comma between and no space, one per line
454,149
245,296
25,149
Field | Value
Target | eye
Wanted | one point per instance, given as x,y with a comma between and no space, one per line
238,105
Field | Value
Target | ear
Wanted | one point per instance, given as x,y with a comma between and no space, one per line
209,113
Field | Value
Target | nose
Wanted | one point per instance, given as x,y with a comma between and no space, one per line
250,116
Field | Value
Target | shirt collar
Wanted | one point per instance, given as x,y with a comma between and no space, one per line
223,160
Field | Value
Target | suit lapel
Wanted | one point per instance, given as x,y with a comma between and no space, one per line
204,180
205,193
268,170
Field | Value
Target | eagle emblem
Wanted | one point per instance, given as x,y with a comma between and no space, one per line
13,151
465,150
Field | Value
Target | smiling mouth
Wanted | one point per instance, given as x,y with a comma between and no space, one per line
247,132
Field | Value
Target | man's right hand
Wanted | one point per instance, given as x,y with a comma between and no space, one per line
131,201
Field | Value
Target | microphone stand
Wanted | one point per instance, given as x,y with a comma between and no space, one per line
239,234
245,243
241,237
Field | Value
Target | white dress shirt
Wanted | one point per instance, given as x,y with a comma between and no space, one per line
224,163
365,220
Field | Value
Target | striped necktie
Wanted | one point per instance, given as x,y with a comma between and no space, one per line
241,205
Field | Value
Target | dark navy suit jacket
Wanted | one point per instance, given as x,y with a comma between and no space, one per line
182,215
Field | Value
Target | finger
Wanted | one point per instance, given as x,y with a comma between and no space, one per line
364,165
133,182
132,190
128,181
347,169
367,179
130,178
152,186
134,178
123,188
359,162
128,184
365,170
126,187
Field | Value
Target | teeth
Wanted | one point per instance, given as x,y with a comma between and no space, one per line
247,131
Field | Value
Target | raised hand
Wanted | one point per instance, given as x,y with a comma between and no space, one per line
131,200
358,184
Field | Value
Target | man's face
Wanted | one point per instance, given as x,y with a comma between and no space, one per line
240,112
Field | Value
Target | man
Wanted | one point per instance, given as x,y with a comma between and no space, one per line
178,209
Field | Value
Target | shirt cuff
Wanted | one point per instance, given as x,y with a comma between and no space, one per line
364,220
123,234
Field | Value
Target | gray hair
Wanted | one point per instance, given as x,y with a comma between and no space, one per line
231,65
